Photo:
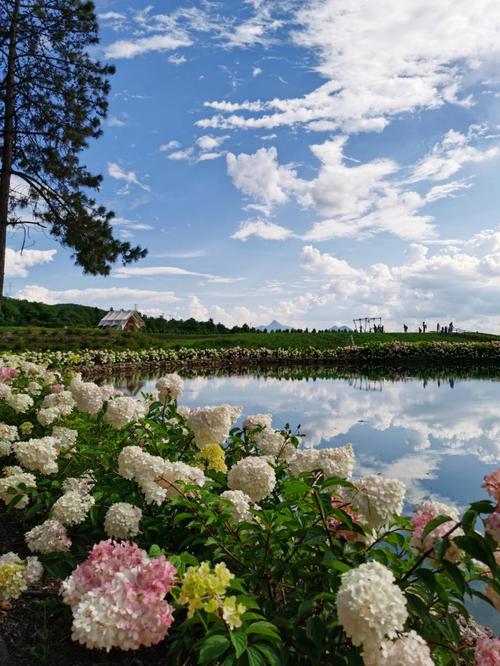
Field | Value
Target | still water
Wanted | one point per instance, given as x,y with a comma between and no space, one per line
440,436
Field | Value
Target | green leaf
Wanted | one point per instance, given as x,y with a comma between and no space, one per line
239,640
456,576
255,658
483,506
432,524
212,648
264,629
271,655
476,546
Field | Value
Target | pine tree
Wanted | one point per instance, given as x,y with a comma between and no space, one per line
53,96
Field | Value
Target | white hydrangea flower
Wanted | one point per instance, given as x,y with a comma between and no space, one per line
142,467
123,410
337,461
33,369
72,508
370,606
38,455
170,387
211,425
80,484
47,416
5,391
67,437
87,395
272,443
34,570
254,476
14,476
122,520
251,423
183,411
63,402
408,649
241,505
179,471
20,402
8,432
376,499
34,388
49,537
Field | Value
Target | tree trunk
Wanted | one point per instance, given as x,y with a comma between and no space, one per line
8,143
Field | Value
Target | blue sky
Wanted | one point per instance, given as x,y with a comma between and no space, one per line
309,162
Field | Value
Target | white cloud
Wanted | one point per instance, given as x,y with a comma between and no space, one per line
154,271
177,59
256,71
130,177
106,296
17,263
449,156
111,16
261,229
207,142
181,155
206,157
170,145
196,309
260,176
125,48
432,51
446,284
358,199
113,121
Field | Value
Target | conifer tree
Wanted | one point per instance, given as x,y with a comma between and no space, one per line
53,97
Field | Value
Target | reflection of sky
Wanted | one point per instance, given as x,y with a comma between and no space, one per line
440,440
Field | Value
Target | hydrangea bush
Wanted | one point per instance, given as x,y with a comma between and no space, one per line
227,545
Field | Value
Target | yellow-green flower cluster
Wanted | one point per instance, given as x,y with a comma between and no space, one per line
205,589
212,458
12,581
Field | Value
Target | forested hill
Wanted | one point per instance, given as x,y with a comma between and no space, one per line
27,313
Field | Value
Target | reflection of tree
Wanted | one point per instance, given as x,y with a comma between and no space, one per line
130,384
365,384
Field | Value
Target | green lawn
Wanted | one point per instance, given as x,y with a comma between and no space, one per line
64,339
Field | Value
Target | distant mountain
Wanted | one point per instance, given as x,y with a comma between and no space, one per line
340,328
274,326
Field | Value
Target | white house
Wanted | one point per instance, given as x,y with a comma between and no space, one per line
123,320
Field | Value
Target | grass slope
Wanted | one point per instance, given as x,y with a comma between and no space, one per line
41,339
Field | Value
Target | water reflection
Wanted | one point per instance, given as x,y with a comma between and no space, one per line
440,435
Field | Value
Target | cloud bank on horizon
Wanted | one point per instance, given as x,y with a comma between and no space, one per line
309,162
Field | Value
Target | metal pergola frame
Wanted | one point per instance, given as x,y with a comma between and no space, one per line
366,324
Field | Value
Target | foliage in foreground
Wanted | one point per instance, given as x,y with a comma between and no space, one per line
233,546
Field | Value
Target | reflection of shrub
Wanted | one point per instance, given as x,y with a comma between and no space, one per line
321,569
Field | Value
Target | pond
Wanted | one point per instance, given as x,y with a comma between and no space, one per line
439,435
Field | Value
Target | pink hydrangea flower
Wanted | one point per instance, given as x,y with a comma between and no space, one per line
336,526
424,513
117,597
7,373
492,484
56,388
487,652
492,525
